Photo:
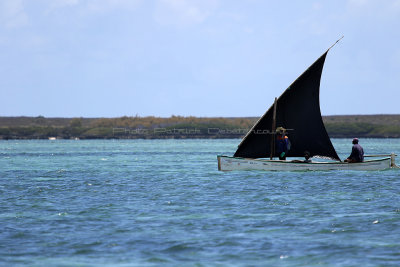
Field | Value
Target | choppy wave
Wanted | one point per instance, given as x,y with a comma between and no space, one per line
163,202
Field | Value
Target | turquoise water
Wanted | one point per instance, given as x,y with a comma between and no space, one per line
163,202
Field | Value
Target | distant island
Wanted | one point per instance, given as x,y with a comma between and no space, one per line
343,126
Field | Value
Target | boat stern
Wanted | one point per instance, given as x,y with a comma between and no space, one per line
392,160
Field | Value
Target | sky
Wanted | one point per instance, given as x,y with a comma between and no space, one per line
204,58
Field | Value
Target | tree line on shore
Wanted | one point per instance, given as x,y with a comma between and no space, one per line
374,126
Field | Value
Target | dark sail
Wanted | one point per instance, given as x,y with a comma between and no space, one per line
298,111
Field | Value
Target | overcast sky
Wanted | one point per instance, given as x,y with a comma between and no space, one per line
110,58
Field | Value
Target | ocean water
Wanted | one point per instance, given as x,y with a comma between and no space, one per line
163,203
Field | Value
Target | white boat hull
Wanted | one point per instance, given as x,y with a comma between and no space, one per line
226,163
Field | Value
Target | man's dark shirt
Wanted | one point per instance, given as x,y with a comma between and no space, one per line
357,153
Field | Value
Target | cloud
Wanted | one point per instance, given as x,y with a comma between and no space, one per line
184,12
317,6
375,7
12,14
102,6
359,2
93,6
63,3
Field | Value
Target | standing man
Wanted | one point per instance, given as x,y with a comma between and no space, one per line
282,143
357,153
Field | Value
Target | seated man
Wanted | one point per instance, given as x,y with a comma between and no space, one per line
306,156
357,153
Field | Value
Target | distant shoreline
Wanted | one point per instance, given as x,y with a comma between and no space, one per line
178,127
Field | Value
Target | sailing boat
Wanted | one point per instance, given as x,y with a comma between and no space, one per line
297,110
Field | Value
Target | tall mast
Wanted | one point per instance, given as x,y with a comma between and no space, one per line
273,131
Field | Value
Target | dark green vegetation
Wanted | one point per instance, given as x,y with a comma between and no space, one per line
180,127
375,126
